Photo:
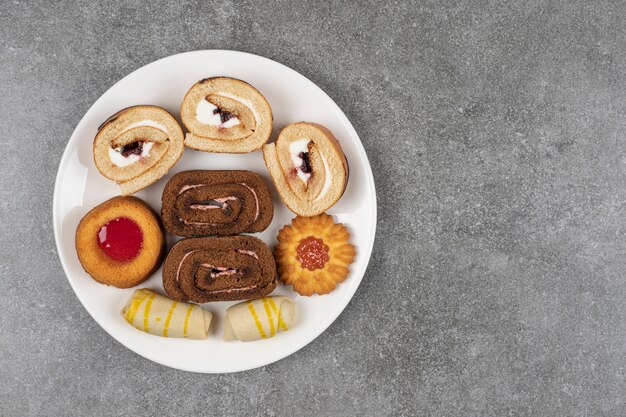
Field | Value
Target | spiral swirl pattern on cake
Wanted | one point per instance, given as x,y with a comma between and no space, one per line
137,146
209,269
308,168
225,115
203,203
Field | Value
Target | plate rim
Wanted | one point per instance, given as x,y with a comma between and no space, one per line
369,178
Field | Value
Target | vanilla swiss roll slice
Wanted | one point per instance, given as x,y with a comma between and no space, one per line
225,115
137,146
259,319
158,315
308,168
219,269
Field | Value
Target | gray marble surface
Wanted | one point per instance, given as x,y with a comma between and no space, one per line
496,133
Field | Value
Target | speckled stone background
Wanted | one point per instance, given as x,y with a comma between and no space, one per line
496,132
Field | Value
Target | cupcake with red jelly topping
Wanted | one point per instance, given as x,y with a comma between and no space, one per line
120,242
313,254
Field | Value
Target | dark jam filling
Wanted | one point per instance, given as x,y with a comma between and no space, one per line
226,271
209,202
134,148
224,115
121,239
215,272
312,253
306,162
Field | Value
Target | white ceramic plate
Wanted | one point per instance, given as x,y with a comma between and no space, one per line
79,187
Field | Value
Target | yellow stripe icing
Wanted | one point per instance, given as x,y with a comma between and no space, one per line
256,320
281,323
134,306
270,319
168,318
187,320
146,312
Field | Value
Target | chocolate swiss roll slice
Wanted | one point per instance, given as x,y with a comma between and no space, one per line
137,146
225,115
308,168
203,203
208,269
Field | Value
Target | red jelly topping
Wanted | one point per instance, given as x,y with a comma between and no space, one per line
121,239
312,253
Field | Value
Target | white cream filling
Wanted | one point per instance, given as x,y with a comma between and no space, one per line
190,187
327,178
205,113
256,199
146,122
180,265
115,154
223,270
301,145
249,253
211,206
227,291
224,199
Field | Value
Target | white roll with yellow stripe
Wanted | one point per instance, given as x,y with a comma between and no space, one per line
161,316
259,319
